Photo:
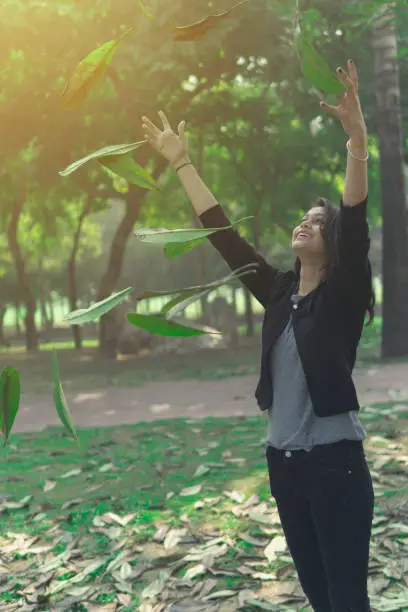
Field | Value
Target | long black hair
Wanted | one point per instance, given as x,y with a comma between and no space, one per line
330,238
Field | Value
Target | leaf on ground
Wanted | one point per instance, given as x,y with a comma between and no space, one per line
194,571
202,470
173,538
236,496
49,485
156,587
278,544
197,30
106,468
74,472
60,402
219,595
189,491
89,72
97,310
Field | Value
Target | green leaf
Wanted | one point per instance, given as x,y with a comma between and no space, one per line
121,149
144,9
163,327
60,401
174,249
88,73
97,310
128,169
187,291
315,68
180,303
9,399
165,236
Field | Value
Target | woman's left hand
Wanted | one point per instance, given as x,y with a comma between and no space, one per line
348,110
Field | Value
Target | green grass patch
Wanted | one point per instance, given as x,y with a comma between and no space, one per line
175,474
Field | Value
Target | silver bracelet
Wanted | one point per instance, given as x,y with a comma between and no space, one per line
350,152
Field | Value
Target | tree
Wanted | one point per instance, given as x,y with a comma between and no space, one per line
394,213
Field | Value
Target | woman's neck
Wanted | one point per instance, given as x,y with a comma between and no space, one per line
310,277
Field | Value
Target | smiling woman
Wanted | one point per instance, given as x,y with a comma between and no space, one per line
314,316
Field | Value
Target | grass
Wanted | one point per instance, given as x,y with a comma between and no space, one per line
140,470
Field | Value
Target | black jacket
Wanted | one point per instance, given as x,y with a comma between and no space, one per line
329,321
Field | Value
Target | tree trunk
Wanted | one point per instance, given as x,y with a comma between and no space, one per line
108,337
3,341
51,311
22,277
201,254
395,227
18,324
72,286
249,315
43,311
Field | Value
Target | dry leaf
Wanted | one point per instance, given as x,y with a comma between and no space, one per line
191,491
197,30
71,473
49,485
173,537
278,544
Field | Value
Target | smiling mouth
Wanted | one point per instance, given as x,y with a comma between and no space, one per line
302,236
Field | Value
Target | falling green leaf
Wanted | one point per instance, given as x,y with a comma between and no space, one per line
144,9
128,169
174,249
9,399
163,327
180,236
97,310
315,68
186,292
121,149
60,401
179,304
89,72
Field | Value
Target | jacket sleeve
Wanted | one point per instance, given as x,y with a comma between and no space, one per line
237,252
353,266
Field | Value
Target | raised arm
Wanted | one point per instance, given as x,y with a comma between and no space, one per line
236,251
353,233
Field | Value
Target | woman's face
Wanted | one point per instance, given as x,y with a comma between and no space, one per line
307,238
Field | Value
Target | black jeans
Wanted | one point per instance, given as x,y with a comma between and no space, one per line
325,501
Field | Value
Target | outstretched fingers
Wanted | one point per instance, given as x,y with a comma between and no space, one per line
150,127
345,79
353,73
180,129
329,108
165,121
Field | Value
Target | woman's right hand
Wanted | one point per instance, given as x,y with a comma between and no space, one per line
172,146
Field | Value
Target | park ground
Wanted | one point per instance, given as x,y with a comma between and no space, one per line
165,504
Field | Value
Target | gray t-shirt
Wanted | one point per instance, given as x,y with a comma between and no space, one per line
292,423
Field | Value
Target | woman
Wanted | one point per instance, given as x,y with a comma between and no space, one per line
314,316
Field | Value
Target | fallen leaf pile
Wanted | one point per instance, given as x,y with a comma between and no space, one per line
224,551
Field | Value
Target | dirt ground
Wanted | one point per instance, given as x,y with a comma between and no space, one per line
192,399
